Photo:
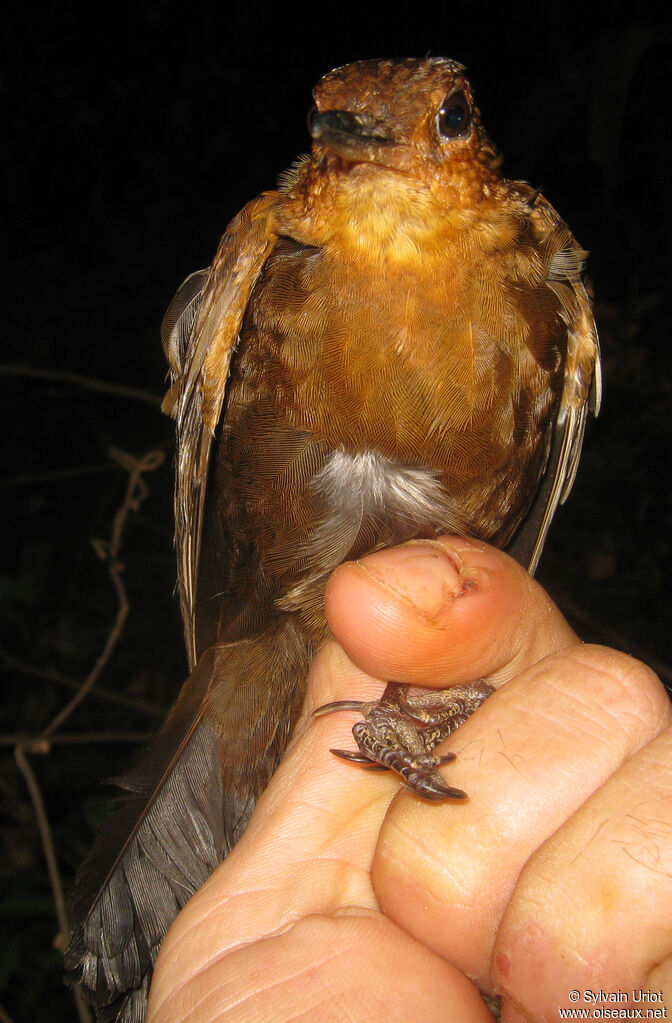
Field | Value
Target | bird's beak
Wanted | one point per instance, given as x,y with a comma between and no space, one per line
354,137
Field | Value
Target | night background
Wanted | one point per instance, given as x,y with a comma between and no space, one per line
128,145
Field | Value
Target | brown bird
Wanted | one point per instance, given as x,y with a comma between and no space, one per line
393,344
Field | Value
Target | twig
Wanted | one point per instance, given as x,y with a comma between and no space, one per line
53,675
136,492
45,833
38,479
75,739
50,856
90,383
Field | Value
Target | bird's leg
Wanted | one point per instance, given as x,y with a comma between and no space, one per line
401,730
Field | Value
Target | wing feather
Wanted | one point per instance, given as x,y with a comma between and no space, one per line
200,334
581,394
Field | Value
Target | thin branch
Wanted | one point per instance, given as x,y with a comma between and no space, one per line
50,856
53,675
75,739
136,492
38,479
45,834
90,383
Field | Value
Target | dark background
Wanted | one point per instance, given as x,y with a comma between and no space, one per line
128,145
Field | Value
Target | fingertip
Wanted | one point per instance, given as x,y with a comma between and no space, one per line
434,612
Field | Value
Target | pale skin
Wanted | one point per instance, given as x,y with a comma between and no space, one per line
348,899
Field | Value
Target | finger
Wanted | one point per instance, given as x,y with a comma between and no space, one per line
591,911
306,852
528,759
347,966
434,613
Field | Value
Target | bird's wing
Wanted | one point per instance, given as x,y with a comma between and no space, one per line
581,394
200,332
172,831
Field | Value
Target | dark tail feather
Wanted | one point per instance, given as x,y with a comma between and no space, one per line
149,859
188,802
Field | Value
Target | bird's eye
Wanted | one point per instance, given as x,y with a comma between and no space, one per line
454,117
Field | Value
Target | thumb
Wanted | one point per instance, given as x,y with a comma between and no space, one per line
439,612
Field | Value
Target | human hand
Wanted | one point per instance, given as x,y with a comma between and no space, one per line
350,899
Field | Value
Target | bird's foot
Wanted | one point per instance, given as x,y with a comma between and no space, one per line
400,731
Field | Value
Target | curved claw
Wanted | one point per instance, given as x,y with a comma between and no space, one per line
330,708
356,758
432,789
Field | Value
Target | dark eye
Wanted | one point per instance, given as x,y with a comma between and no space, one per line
454,117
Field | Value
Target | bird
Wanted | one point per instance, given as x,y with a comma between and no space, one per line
394,343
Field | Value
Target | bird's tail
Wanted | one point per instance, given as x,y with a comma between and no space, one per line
185,805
